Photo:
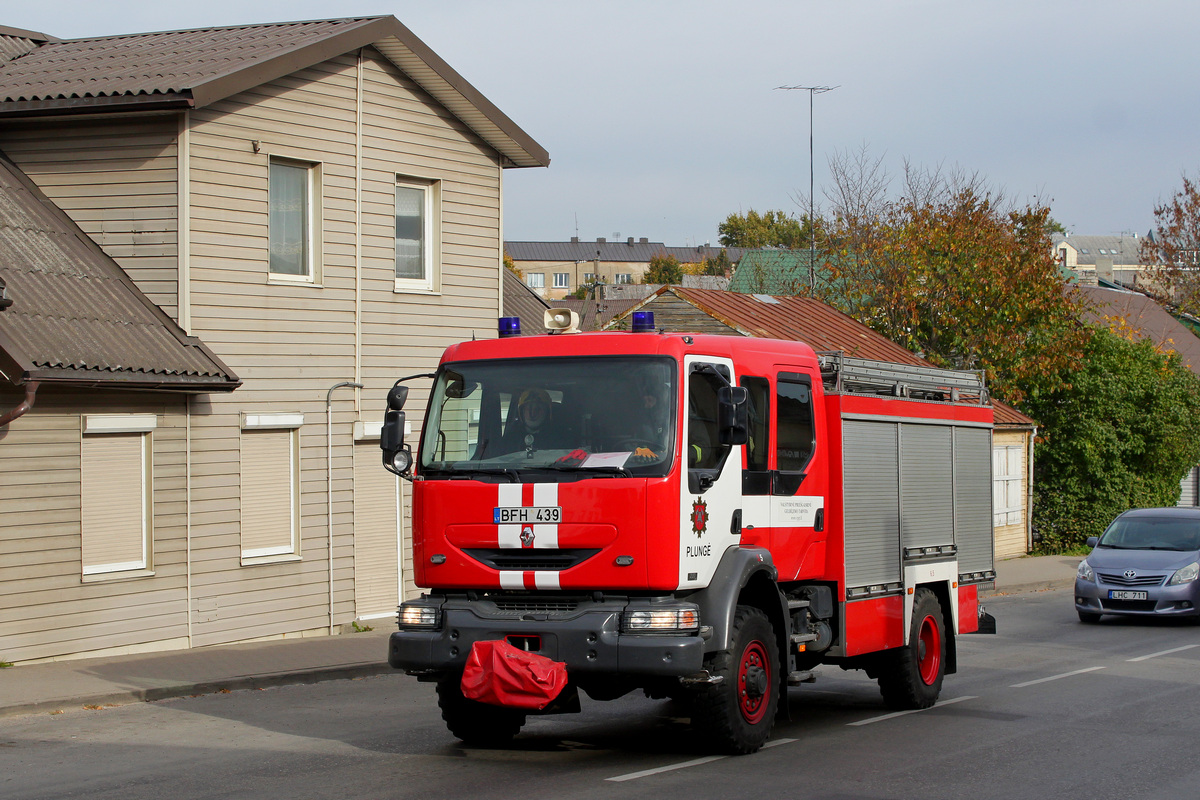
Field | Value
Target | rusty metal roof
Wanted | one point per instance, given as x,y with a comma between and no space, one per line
195,68
76,317
804,319
1144,318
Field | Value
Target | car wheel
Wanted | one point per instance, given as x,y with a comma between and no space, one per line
1087,617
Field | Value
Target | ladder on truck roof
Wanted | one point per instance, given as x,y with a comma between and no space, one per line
843,374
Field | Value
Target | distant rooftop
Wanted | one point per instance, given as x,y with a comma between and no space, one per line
639,250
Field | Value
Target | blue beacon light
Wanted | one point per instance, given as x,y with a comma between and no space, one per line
643,322
509,326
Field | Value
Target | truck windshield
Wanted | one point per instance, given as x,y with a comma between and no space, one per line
551,419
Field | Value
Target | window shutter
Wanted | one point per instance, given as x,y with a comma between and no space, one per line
114,502
268,493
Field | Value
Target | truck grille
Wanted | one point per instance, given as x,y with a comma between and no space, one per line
1117,579
534,604
546,560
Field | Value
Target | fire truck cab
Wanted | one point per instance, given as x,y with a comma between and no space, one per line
700,517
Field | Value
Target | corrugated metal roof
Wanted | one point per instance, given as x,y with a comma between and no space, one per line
75,315
194,68
1123,250
818,325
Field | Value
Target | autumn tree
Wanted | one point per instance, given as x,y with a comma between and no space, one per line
664,269
957,275
1119,431
1172,252
771,229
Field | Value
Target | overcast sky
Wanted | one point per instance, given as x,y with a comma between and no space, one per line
661,118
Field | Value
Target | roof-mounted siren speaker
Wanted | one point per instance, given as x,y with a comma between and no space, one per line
561,320
643,322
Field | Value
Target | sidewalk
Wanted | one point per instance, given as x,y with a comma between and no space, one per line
67,685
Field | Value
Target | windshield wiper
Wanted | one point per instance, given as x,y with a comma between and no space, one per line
466,474
611,469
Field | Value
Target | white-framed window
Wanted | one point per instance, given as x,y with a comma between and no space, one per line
535,280
562,280
417,235
270,487
1006,484
294,229
589,277
116,494
623,277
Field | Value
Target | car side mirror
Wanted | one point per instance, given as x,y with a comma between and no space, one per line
1092,541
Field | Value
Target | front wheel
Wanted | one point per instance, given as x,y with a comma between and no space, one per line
1087,617
476,723
736,715
912,677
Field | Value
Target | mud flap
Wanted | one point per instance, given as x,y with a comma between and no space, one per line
501,675
987,623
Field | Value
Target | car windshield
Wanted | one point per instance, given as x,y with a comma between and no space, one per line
1152,533
551,419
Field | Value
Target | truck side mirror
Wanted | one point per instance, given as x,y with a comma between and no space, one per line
733,414
396,397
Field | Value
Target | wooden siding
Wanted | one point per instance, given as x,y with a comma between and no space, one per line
117,180
1011,539
673,314
47,607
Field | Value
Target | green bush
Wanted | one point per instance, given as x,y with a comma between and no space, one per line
1120,433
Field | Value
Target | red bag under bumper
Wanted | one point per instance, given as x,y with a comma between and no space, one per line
501,675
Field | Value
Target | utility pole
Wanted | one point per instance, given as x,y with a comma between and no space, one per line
812,224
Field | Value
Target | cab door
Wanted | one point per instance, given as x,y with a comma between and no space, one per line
799,483
710,507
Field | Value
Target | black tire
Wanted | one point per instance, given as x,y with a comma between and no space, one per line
1087,617
736,715
912,675
476,723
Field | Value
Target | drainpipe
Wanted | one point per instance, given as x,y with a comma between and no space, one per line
1029,496
25,405
329,480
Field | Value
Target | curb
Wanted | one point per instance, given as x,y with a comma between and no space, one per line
263,681
1026,588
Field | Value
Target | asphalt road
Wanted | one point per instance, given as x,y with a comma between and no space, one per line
1046,708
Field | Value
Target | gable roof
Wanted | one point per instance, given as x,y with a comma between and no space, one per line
820,326
1125,250
521,301
774,271
1144,318
76,317
195,68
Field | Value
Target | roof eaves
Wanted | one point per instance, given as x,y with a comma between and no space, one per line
33,36
95,105
697,303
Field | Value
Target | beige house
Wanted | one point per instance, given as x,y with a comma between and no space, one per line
264,227
1103,259
826,329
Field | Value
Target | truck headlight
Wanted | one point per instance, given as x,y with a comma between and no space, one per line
416,615
666,620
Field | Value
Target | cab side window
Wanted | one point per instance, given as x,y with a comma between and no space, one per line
705,453
756,478
795,433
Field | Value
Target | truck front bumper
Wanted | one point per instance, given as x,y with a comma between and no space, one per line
584,634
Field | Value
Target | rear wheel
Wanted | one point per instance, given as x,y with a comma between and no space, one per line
736,715
474,722
1087,617
912,678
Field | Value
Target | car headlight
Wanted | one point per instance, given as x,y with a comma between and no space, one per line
666,620
1185,575
414,615
1084,573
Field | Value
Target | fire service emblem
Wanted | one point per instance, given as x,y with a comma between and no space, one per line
527,536
699,517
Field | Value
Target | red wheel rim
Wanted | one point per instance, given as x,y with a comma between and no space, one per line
754,682
930,653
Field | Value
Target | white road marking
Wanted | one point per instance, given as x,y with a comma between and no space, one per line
1054,677
895,714
1164,652
633,776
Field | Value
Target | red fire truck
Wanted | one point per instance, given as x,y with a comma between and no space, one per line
706,518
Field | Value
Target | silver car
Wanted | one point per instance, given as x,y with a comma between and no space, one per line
1146,564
